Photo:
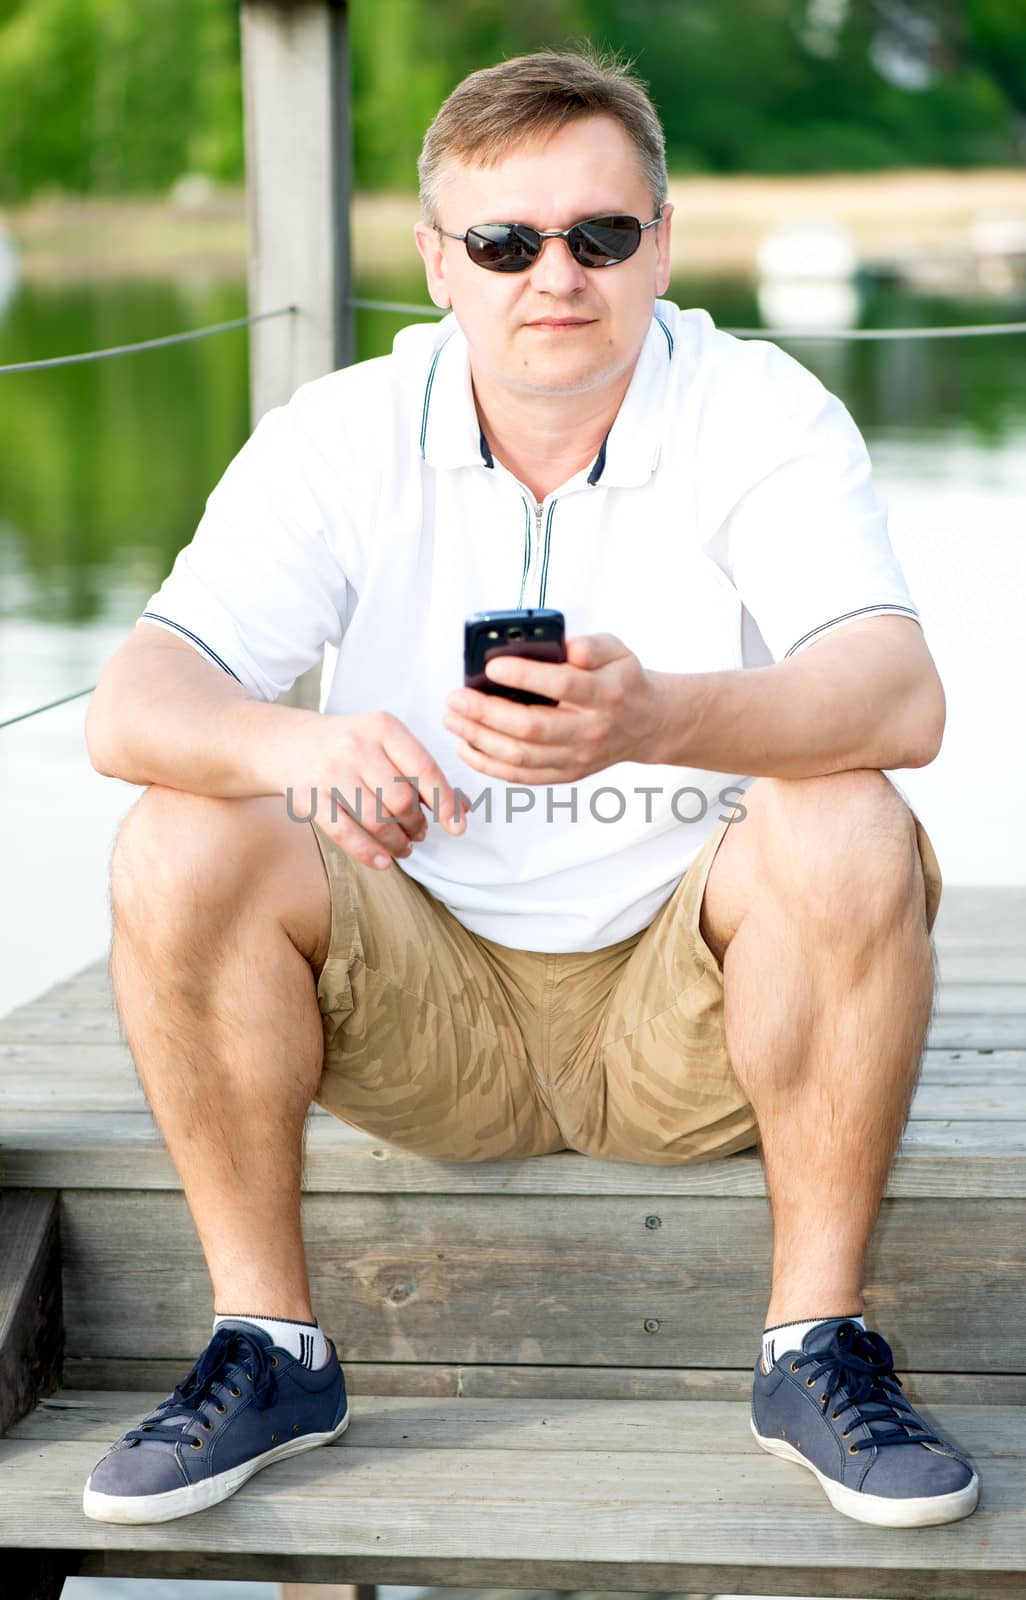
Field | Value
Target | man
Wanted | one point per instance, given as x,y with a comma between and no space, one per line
578,951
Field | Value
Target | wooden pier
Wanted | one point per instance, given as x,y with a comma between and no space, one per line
504,1328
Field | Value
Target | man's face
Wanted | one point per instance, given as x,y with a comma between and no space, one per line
588,168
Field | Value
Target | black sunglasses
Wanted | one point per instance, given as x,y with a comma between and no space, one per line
514,246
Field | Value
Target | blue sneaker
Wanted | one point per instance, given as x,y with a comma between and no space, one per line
245,1403
836,1407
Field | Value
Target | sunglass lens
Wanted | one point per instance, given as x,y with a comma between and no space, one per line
603,241
503,246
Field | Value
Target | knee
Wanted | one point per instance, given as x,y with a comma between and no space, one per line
176,856
841,847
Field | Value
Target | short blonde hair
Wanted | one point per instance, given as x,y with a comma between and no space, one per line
497,109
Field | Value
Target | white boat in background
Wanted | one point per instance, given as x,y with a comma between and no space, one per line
808,276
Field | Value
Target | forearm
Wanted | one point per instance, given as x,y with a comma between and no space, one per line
839,705
171,718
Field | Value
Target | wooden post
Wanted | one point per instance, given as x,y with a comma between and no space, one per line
295,65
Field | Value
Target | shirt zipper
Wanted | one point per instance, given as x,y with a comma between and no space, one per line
533,553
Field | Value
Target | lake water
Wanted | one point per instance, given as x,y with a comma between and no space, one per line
104,470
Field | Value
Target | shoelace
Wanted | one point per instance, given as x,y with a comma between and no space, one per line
865,1369
230,1347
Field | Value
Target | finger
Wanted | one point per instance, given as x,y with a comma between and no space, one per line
560,681
591,650
351,837
367,806
469,708
511,774
503,748
432,786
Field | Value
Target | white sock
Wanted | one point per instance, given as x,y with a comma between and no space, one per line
789,1335
304,1340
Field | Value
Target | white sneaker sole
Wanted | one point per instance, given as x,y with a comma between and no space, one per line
131,1508
923,1511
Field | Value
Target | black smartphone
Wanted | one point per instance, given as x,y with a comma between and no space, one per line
538,634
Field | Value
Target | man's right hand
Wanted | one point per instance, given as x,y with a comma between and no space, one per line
360,756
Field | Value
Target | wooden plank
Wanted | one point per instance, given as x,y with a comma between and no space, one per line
124,1150
571,1280
31,1325
409,1423
525,1382
955,1031
82,1023
701,1581
991,915
721,1581
642,1513
983,966
35,1076
981,999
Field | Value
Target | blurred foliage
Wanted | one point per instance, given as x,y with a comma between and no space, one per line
111,96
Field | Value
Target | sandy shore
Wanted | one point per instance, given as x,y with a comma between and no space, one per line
717,224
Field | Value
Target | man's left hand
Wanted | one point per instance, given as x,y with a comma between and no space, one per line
608,711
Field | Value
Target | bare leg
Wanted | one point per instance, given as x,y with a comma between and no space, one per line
815,910
221,918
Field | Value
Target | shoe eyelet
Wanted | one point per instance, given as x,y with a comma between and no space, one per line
274,1438
221,1408
197,1444
793,1367
822,1399
853,1449
235,1392
845,1432
208,1426
274,1361
809,1382
295,1427
249,1375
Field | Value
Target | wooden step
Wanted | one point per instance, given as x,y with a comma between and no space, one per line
624,1495
562,1262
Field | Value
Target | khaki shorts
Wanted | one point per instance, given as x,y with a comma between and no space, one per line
450,1045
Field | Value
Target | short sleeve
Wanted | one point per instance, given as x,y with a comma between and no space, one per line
259,590
806,545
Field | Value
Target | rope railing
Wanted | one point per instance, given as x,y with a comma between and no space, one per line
148,344
968,330
49,706
409,308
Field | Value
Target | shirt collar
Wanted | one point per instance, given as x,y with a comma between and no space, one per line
450,433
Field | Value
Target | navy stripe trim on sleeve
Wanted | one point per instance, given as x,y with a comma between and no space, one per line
196,640
861,612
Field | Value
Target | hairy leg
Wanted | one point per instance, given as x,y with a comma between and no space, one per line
221,924
815,910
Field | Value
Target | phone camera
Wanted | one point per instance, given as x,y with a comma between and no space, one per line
515,633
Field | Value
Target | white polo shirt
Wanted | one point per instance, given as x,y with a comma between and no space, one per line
728,521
